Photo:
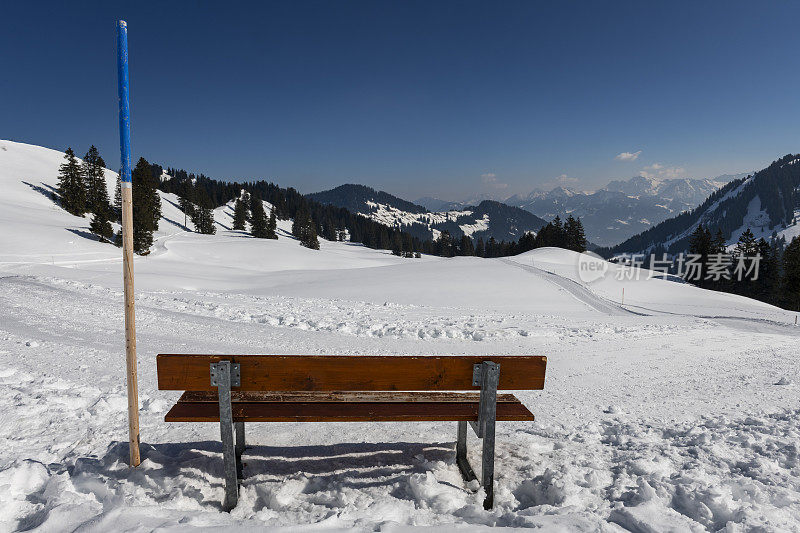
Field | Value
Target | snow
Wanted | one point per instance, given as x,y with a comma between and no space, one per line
391,216
677,411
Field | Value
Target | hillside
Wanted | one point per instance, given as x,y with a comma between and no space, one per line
355,197
651,419
767,202
483,221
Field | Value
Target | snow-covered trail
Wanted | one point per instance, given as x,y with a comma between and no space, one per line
574,288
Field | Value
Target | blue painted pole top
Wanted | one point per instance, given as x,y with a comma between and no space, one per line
124,109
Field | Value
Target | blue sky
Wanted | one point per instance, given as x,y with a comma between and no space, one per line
448,99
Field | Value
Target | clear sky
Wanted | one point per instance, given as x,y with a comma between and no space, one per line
448,99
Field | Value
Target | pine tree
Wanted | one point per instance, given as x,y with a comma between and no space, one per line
480,249
186,200
766,286
258,218
310,240
397,244
444,245
201,213
747,245
700,243
466,247
203,221
101,226
272,225
575,235
239,215
146,206
71,189
94,179
304,229
491,247
791,274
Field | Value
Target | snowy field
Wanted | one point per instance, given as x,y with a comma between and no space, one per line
677,411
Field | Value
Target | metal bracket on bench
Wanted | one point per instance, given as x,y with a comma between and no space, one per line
235,373
225,375
487,376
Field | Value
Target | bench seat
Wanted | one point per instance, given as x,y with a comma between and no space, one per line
203,406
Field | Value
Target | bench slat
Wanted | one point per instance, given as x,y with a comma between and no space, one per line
349,373
337,396
344,412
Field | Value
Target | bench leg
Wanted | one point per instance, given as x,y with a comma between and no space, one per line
487,459
239,426
490,377
226,433
461,454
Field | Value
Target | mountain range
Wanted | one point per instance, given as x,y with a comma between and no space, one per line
616,212
767,202
488,219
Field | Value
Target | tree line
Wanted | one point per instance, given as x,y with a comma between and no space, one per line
569,235
80,191
771,268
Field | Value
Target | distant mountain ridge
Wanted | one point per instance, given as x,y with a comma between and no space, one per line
614,213
353,197
767,202
624,207
485,220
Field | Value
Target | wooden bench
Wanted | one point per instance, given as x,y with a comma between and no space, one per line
234,389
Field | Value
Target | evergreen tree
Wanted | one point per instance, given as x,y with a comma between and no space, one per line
239,215
258,218
303,228
791,274
575,235
747,245
146,206
272,225
397,244
466,247
768,282
101,226
700,244
480,249
491,248
186,200
311,240
718,245
94,179
201,213
203,221
71,189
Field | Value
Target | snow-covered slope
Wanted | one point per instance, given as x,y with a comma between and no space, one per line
677,411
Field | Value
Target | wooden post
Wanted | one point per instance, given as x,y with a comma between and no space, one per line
127,243
623,297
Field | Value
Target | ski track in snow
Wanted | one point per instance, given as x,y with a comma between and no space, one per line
578,291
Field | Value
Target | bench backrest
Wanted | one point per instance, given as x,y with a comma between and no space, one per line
350,372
